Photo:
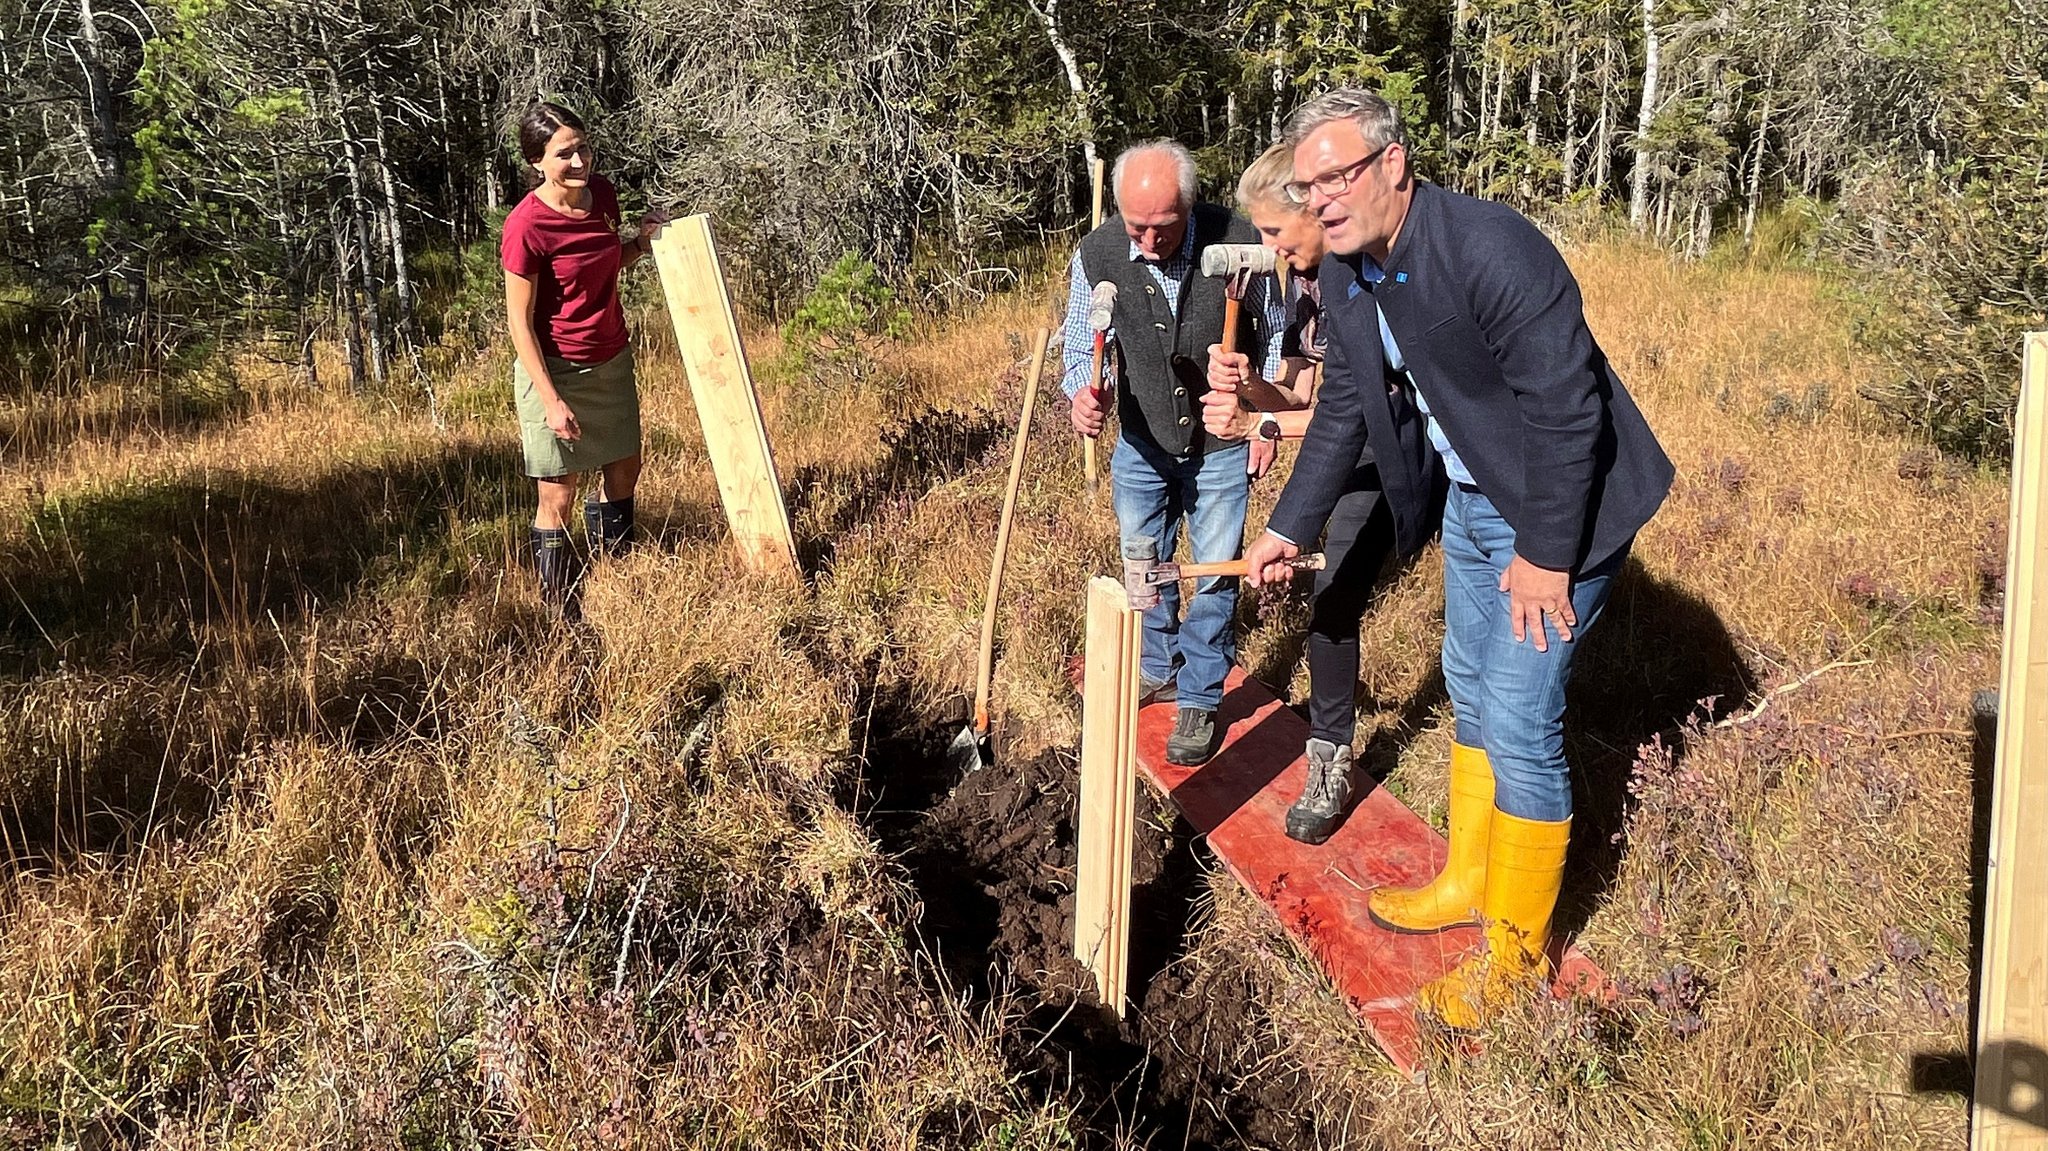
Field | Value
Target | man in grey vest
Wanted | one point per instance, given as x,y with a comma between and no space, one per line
1165,467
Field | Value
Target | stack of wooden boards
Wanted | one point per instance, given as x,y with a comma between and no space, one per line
1109,763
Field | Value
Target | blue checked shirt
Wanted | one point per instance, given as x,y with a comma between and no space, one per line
1079,339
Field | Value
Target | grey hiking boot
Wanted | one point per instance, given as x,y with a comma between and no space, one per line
1194,738
1314,816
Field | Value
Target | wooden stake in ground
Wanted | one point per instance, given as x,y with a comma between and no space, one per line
1089,472
708,335
1109,785
2009,1110
1095,177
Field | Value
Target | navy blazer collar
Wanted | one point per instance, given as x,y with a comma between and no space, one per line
1422,210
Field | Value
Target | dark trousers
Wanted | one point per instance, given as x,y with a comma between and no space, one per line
1356,546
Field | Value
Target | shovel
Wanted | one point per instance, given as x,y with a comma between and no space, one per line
970,749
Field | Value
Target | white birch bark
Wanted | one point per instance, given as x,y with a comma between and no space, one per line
1639,199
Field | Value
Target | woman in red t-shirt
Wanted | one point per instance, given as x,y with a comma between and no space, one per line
579,407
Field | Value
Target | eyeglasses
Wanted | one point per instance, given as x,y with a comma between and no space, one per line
1332,183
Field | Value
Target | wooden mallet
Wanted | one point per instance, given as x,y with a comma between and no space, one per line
1236,264
1144,574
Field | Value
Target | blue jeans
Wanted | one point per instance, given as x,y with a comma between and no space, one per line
1507,697
1154,492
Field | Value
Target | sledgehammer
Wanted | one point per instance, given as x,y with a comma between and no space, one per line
1143,573
1101,308
1237,263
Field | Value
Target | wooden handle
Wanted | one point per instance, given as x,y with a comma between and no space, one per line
985,672
1088,470
1312,562
1230,310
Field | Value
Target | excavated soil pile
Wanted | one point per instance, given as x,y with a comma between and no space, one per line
992,855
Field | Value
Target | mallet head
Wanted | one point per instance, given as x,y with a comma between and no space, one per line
1101,306
1141,555
1237,259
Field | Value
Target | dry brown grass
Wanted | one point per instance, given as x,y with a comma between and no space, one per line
320,836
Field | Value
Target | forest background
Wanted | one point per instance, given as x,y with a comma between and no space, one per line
185,171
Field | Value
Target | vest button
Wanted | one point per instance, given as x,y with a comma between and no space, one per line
1180,391
1150,290
1183,421
1160,326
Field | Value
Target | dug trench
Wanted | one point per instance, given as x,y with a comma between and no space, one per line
991,853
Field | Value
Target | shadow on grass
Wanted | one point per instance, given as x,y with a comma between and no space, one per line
1660,656
2015,1070
134,577
160,633
923,452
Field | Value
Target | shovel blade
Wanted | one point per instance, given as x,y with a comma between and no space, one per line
969,750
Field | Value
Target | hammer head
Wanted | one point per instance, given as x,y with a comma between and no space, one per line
1141,555
1101,306
1239,261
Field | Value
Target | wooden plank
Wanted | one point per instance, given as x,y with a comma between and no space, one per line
708,335
1103,844
2009,1109
1124,833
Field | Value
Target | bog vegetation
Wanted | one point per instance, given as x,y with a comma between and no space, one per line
319,835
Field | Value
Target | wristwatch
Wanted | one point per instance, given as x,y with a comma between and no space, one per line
1269,427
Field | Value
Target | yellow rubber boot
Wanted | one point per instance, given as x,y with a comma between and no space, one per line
1524,870
1451,899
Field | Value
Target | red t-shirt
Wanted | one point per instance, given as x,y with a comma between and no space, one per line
574,265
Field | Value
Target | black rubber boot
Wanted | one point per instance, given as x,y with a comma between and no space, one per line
608,526
555,562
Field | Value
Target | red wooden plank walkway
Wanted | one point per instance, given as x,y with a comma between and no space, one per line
1239,801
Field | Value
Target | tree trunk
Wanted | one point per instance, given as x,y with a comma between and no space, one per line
349,301
1639,200
451,167
1456,141
1603,137
1048,13
106,136
1279,84
359,205
394,230
105,149
1500,101
1529,138
1572,140
1756,170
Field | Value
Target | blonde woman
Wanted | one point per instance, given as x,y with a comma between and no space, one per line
1361,532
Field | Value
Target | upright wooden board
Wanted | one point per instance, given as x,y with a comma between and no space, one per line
734,436
1109,713
2009,1109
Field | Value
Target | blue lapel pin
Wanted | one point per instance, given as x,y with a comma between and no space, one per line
1400,277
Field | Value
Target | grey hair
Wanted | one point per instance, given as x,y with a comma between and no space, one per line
1378,121
1183,163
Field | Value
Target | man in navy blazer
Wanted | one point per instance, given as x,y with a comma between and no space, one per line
1458,339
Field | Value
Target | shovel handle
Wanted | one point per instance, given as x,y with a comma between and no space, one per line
1088,469
985,670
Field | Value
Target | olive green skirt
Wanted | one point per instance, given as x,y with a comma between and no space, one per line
606,401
